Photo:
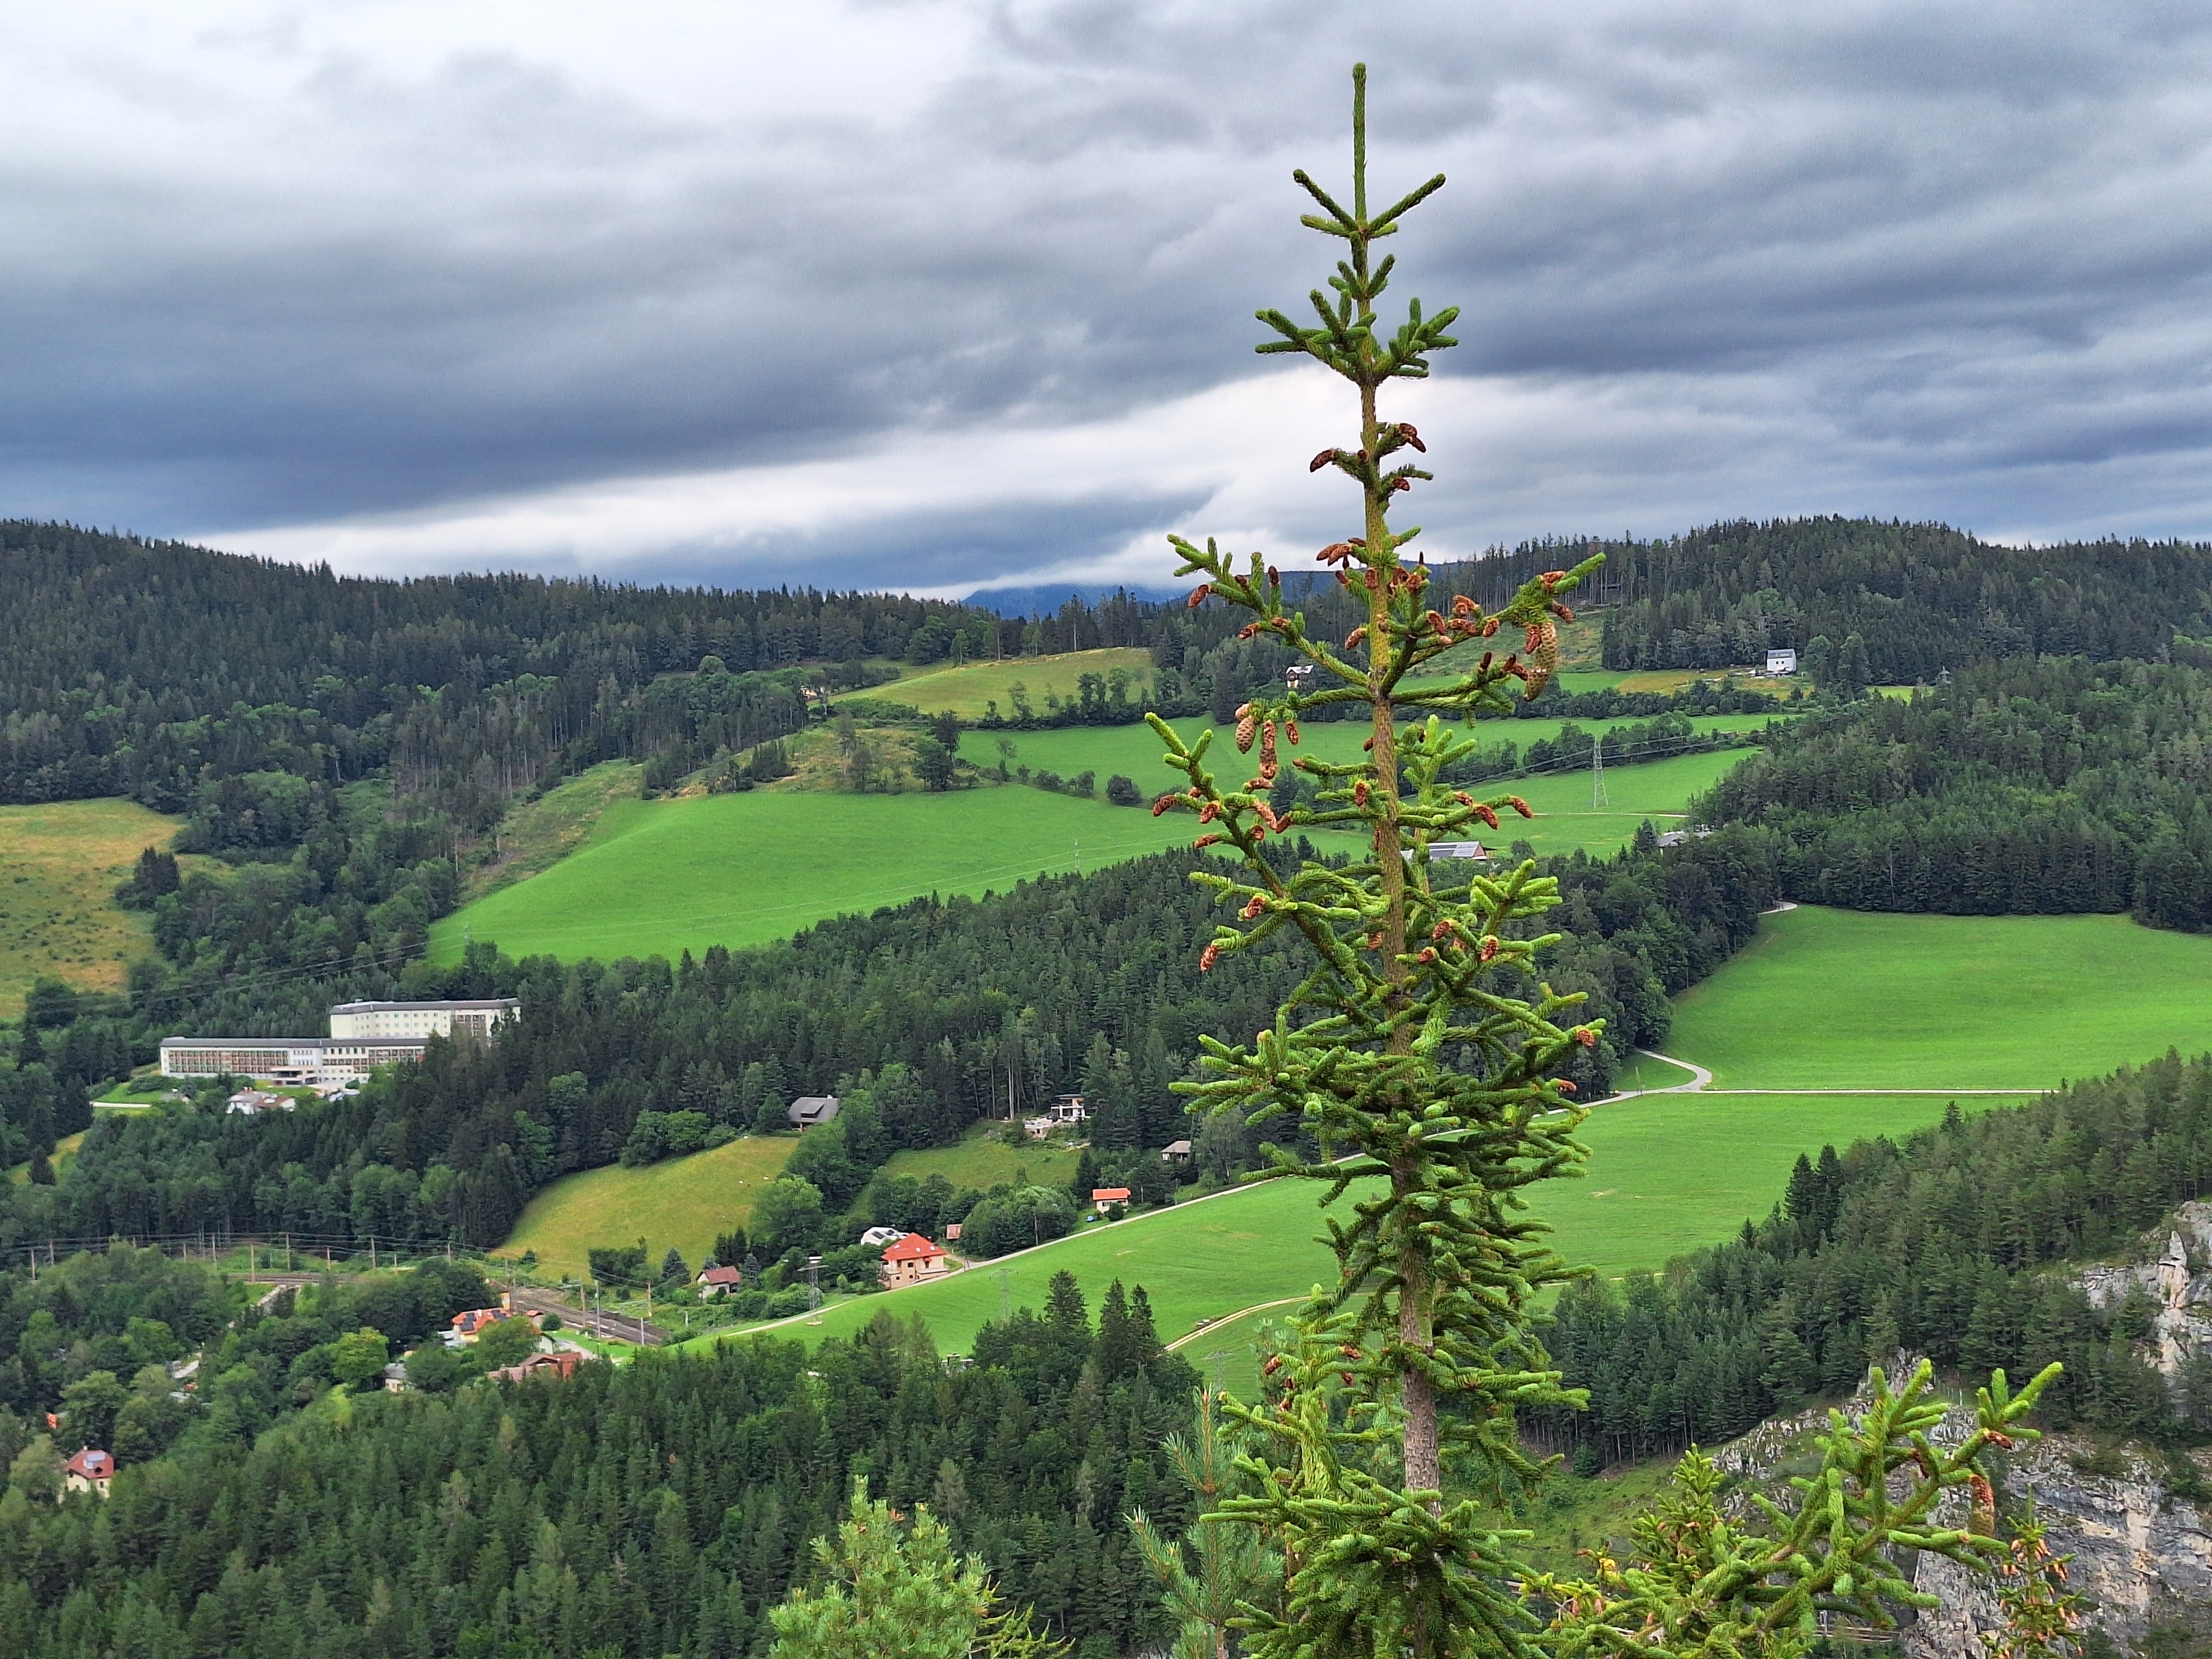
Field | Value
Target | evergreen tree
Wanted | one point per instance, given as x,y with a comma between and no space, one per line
1407,1062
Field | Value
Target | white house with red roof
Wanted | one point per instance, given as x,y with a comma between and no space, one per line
89,1471
718,1281
914,1259
1103,1199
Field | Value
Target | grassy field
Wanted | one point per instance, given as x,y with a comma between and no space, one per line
64,1153
658,877
968,690
684,1201
538,835
1841,998
1674,679
1667,1174
1134,752
59,865
982,1163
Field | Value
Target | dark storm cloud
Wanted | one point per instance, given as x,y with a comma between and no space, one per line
395,272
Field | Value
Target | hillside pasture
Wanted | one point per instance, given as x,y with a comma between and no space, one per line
1666,1175
60,864
683,1202
1848,999
970,690
981,1162
657,877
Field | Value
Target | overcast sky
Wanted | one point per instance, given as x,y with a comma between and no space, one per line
932,296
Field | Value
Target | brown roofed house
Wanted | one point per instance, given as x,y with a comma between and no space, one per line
89,1471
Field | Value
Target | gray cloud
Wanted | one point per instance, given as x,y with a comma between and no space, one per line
301,279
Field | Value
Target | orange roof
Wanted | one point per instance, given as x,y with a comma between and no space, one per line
90,1464
912,1247
1108,1195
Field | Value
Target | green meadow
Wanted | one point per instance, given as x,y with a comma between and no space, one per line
60,863
982,1163
657,877
968,690
1848,999
1666,1175
683,1201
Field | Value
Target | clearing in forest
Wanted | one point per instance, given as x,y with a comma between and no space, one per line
1848,999
968,690
683,1202
60,864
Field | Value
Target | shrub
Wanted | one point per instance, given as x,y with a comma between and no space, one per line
1123,792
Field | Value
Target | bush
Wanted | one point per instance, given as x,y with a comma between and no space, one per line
617,1267
1122,791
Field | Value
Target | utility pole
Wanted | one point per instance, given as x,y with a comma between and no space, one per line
1597,773
814,1289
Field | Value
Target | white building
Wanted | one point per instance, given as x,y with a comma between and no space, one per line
1781,662
308,1060
473,1018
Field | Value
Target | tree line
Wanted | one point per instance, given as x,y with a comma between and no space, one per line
2059,787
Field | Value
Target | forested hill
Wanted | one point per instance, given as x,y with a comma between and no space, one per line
2056,786
1905,601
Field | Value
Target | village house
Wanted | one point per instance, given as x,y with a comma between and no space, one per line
1781,662
1176,1152
562,1365
808,1111
1103,1199
472,1324
876,1237
914,1259
720,1281
89,1471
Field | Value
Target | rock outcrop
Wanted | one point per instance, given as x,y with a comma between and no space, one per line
2178,1284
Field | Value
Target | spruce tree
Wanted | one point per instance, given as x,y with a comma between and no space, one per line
1421,1056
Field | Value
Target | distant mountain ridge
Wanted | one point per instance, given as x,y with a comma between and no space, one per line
1045,598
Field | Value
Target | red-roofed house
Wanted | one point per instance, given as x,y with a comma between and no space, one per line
913,1259
89,1471
718,1281
468,1327
1105,1198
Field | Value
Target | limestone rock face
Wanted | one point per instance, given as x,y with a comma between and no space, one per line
2179,1284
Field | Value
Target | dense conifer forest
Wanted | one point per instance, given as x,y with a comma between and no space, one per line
656,1508
2059,785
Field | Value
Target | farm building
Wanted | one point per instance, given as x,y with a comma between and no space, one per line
877,1237
1176,1152
1781,662
1103,1199
914,1259
808,1111
561,1364
720,1281
89,1471
249,1102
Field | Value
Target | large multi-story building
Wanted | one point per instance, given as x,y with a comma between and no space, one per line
421,1019
363,1037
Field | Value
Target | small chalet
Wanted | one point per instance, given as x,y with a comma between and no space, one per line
1176,1152
720,1281
1781,662
876,1237
808,1111
1103,1199
561,1364
89,1471
914,1259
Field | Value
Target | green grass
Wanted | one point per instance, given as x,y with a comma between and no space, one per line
64,1153
59,866
684,1201
968,690
1666,1175
1134,752
1643,1072
660,877
539,834
1841,999
982,1163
